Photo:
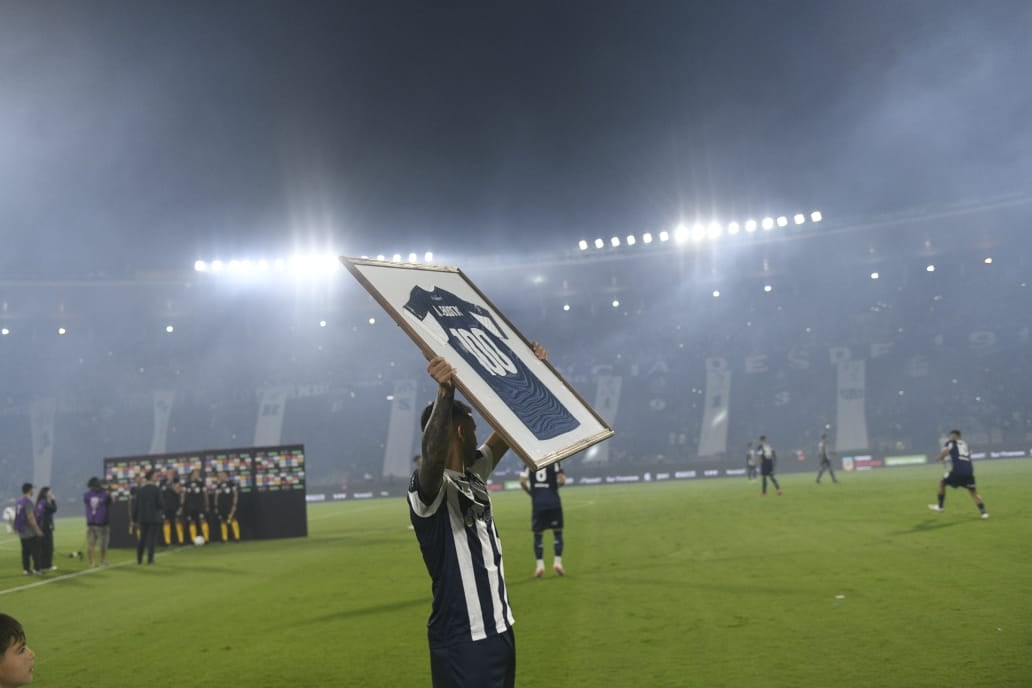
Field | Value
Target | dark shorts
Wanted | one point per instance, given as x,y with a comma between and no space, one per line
546,519
767,468
954,479
172,516
826,462
488,663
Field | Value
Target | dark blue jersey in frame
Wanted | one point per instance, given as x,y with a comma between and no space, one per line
544,487
475,335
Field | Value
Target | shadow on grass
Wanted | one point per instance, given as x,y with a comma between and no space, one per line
367,611
926,526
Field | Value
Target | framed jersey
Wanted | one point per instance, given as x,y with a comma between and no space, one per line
524,399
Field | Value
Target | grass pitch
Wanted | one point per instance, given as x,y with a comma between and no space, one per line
699,583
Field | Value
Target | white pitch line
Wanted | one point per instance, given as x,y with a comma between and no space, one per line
78,573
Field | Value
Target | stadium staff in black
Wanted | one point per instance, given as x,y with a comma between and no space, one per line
472,644
148,516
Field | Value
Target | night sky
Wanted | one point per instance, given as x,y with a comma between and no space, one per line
146,135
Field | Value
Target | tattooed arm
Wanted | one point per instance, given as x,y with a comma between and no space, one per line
437,436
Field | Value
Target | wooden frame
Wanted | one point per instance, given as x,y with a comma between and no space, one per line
565,426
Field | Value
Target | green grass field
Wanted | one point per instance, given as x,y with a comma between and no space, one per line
674,584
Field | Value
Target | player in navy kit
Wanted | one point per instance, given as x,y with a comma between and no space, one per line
824,459
470,628
768,459
475,335
547,513
961,473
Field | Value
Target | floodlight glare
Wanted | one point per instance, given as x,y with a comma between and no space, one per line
5,332
381,257
583,245
396,258
616,303
216,266
62,331
322,323
732,228
429,257
767,288
646,238
245,265
816,216
566,306
372,321
279,265
930,268
782,221
170,329
631,241
200,266
799,218
599,243
680,234
715,230
875,275
413,258
664,235
263,265
988,261
615,241
698,232
716,293
768,223
234,265
750,226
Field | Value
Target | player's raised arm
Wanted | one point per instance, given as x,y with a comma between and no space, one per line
496,442
943,454
437,434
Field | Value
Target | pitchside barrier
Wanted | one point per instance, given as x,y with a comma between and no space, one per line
271,481
596,475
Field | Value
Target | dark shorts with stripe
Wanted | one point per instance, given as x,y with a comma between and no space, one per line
488,663
955,479
546,519
767,467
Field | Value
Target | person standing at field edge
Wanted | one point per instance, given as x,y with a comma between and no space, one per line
148,516
98,532
961,473
546,513
28,531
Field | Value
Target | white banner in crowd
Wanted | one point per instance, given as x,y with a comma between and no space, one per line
402,429
851,425
163,400
42,415
715,417
607,404
272,404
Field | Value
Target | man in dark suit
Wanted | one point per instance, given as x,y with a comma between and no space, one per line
147,514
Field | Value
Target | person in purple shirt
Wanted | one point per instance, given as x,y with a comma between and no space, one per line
46,507
98,531
28,531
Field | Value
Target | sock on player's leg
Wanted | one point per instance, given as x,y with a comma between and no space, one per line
236,529
193,531
558,545
764,484
539,546
942,498
166,530
981,507
225,531
205,531
179,532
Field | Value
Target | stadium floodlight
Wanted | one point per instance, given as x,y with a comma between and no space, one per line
322,323
716,293
582,245
4,331
428,257
767,288
413,258
698,232
930,268
799,218
62,331
646,238
614,242
664,235
715,230
599,243
279,265
380,256
170,329
216,265
372,321
816,216
263,265
680,233
875,275
782,221
616,303
246,266
631,240
566,306
732,228
750,226
200,266
234,265
396,258
768,223
988,261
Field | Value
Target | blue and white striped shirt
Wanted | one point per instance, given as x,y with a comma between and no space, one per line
463,555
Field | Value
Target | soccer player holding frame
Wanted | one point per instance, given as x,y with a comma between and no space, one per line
546,513
961,473
470,628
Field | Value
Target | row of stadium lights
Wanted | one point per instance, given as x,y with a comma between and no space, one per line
767,288
698,232
298,265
